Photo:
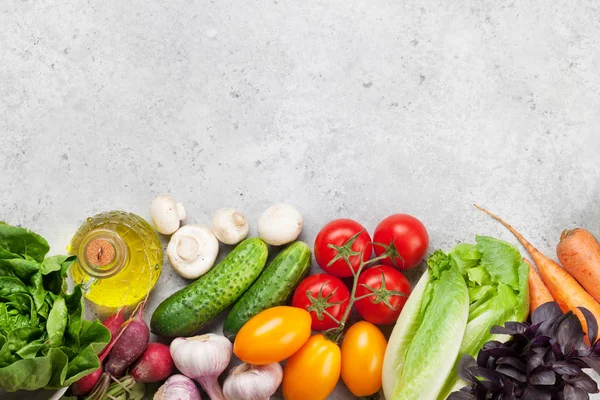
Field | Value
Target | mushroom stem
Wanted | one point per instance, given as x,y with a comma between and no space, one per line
181,211
238,219
188,247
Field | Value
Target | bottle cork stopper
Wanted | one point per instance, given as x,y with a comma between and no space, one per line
100,252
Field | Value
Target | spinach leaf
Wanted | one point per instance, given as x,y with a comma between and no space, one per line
19,267
83,364
31,349
57,321
94,334
37,291
34,373
55,271
17,242
10,285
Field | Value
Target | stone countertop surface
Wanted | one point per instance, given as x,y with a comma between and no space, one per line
345,109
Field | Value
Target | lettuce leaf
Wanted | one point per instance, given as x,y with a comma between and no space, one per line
44,340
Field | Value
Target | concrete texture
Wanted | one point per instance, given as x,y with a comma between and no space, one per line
346,109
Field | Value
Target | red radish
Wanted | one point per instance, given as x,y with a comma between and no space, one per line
85,385
154,365
130,345
114,322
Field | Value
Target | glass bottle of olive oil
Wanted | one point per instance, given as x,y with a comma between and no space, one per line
119,258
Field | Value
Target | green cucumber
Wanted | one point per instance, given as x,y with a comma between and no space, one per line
272,288
191,308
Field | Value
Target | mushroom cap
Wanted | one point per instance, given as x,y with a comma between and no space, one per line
165,214
192,251
229,226
280,224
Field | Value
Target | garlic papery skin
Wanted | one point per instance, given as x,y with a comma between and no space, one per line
253,382
178,387
203,358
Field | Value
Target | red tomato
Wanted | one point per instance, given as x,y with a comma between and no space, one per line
406,238
389,289
337,233
322,292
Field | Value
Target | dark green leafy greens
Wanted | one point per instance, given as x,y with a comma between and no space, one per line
44,340
543,360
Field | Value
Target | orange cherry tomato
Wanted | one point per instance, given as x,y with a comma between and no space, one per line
272,335
363,349
313,371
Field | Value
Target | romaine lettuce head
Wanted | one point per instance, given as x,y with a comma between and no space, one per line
496,276
426,339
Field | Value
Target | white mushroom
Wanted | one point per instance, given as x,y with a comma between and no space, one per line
193,250
229,226
280,224
166,214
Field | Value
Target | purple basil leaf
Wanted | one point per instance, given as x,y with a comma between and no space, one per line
512,373
461,396
483,358
493,344
593,363
573,393
464,368
541,341
569,334
512,361
543,378
566,368
509,389
535,358
501,352
557,351
546,312
582,381
488,375
509,328
532,392
592,324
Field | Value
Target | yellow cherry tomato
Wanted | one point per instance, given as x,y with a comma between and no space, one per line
313,372
272,335
363,349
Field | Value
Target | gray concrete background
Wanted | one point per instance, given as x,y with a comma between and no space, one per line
345,109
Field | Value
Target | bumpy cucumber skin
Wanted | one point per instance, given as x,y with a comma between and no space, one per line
272,288
191,308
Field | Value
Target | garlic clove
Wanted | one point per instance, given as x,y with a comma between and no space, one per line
252,382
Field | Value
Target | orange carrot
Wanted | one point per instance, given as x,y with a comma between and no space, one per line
567,292
538,292
579,252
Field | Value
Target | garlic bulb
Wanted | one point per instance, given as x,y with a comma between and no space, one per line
178,387
250,382
203,358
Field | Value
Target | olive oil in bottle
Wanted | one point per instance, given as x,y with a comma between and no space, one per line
119,258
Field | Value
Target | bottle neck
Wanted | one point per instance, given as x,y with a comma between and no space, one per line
102,253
